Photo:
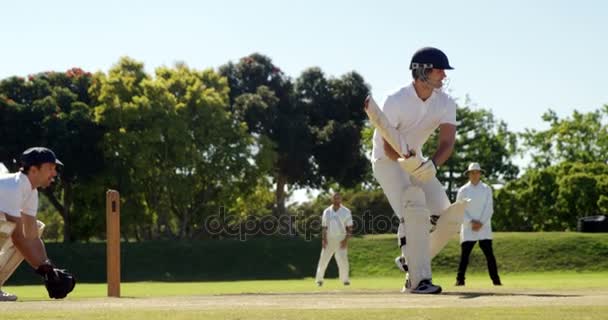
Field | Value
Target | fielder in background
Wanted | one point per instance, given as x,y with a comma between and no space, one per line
477,224
20,231
403,125
337,227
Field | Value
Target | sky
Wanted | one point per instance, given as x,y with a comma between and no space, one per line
516,58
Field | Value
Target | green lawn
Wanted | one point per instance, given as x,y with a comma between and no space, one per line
476,281
200,270
296,258
536,282
531,313
514,251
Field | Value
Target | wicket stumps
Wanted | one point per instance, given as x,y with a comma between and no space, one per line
113,242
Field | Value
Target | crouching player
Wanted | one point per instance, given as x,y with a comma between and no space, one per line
20,230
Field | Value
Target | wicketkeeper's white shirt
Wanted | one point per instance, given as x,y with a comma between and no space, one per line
480,208
336,221
415,119
17,195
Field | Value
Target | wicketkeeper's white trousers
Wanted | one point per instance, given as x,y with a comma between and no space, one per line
333,248
10,257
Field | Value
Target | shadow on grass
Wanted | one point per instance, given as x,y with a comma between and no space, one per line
461,295
473,295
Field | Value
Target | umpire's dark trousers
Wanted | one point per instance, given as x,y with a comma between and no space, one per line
465,252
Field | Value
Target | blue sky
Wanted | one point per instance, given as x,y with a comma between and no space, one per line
517,58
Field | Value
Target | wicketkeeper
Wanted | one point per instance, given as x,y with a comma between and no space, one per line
405,122
20,230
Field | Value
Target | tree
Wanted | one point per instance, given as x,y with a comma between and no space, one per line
305,130
334,108
583,137
173,144
261,95
552,198
53,109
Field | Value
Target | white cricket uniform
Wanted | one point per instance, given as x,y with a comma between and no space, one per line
336,223
17,195
415,120
3,169
480,208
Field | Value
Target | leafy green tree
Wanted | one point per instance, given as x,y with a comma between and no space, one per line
336,120
566,180
508,214
583,137
552,198
300,129
602,202
578,197
173,144
53,109
261,96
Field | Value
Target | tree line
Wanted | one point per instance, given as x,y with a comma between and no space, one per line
184,145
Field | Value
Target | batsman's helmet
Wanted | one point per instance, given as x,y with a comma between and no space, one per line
430,58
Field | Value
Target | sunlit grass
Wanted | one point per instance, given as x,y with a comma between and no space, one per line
476,281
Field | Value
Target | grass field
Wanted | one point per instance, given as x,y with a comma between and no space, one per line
538,296
296,258
546,276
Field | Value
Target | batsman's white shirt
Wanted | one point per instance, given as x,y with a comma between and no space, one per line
415,119
480,208
17,195
336,221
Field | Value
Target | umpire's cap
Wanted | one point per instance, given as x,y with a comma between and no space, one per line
36,156
429,57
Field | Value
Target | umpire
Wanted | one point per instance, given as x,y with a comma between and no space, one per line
477,224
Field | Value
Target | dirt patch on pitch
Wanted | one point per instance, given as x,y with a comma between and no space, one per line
330,300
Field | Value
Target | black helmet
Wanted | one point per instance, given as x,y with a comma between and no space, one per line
429,57
38,155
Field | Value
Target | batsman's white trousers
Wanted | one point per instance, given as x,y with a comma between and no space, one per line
333,247
394,181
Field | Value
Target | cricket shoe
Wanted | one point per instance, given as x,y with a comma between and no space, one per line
426,287
5,296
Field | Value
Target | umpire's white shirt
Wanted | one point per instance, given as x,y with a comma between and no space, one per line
415,119
17,195
480,208
336,221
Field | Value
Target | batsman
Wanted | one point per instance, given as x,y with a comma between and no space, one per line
20,231
408,179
